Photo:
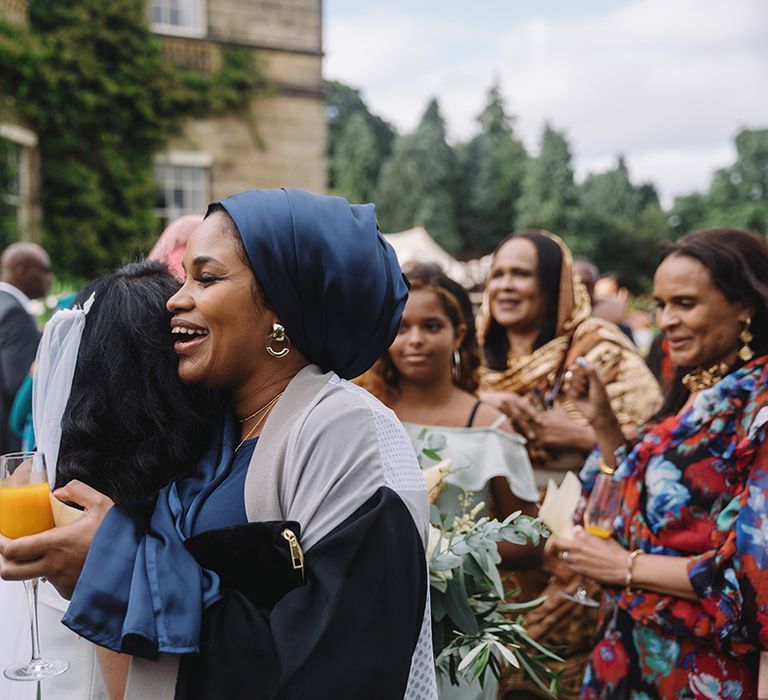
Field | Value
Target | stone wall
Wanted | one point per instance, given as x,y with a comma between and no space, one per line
285,143
14,11
285,24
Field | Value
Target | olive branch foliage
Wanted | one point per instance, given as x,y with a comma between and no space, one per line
474,629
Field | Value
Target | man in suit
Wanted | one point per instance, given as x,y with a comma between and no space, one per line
25,273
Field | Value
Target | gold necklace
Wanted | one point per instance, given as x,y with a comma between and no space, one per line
252,430
700,379
263,408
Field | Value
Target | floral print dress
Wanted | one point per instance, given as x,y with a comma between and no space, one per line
696,487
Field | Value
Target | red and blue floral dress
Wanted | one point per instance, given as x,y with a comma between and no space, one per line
696,487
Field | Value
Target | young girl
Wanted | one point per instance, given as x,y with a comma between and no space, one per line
428,377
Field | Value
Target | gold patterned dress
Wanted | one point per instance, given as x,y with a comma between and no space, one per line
635,397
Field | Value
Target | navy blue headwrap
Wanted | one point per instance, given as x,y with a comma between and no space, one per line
331,278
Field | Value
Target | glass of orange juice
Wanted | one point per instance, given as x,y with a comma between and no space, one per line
25,509
602,507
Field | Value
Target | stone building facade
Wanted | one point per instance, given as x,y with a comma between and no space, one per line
283,143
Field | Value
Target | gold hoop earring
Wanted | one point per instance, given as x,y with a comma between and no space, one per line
456,366
278,336
745,352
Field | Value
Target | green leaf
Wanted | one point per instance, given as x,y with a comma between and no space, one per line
510,658
457,607
470,657
438,609
432,454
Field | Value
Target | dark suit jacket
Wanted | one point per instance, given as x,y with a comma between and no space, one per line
18,344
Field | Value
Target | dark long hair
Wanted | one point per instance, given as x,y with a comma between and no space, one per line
382,379
737,262
549,270
130,425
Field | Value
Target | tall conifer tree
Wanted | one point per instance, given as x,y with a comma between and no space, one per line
492,170
418,183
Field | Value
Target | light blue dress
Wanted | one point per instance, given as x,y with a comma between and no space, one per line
478,455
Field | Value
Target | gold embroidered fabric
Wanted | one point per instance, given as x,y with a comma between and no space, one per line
635,397
635,394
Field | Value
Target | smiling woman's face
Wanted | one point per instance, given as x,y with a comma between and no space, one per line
218,327
700,324
513,287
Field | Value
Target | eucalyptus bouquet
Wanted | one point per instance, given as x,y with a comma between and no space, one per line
474,629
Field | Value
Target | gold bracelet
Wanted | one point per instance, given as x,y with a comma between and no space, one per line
604,468
630,563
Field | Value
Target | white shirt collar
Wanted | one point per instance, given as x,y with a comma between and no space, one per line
16,293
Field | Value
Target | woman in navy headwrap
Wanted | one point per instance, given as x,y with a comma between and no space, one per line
290,563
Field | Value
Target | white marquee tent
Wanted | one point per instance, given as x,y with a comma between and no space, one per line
416,245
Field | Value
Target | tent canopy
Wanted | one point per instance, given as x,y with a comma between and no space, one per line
416,245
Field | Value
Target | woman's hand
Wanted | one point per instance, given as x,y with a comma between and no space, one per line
518,408
584,386
57,554
553,564
603,560
555,428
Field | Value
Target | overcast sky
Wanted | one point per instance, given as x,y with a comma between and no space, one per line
668,83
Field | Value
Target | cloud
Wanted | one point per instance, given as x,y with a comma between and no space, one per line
668,83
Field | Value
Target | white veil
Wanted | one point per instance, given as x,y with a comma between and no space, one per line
55,370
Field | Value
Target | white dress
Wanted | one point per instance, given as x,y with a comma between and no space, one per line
478,455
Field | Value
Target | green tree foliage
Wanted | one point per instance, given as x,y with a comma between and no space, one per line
492,167
418,183
344,105
488,186
737,196
356,160
550,197
620,225
90,79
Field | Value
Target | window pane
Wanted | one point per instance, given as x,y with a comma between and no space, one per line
180,190
176,13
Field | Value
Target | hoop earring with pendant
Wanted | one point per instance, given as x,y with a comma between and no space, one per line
456,366
278,336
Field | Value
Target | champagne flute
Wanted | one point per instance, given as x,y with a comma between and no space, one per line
25,509
602,507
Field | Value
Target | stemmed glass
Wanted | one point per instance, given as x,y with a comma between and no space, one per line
25,509
602,507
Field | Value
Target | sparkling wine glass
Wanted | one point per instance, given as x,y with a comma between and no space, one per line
25,509
602,507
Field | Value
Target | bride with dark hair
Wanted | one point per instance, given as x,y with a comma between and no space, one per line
125,400
126,396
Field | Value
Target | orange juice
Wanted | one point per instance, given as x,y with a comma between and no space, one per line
25,510
604,532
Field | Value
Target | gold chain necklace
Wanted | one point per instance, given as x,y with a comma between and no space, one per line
254,428
263,408
700,379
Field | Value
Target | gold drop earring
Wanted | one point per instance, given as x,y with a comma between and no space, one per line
745,352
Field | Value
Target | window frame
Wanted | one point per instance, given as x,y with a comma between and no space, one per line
25,141
186,160
198,31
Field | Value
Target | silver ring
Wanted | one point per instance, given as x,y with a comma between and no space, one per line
564,555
